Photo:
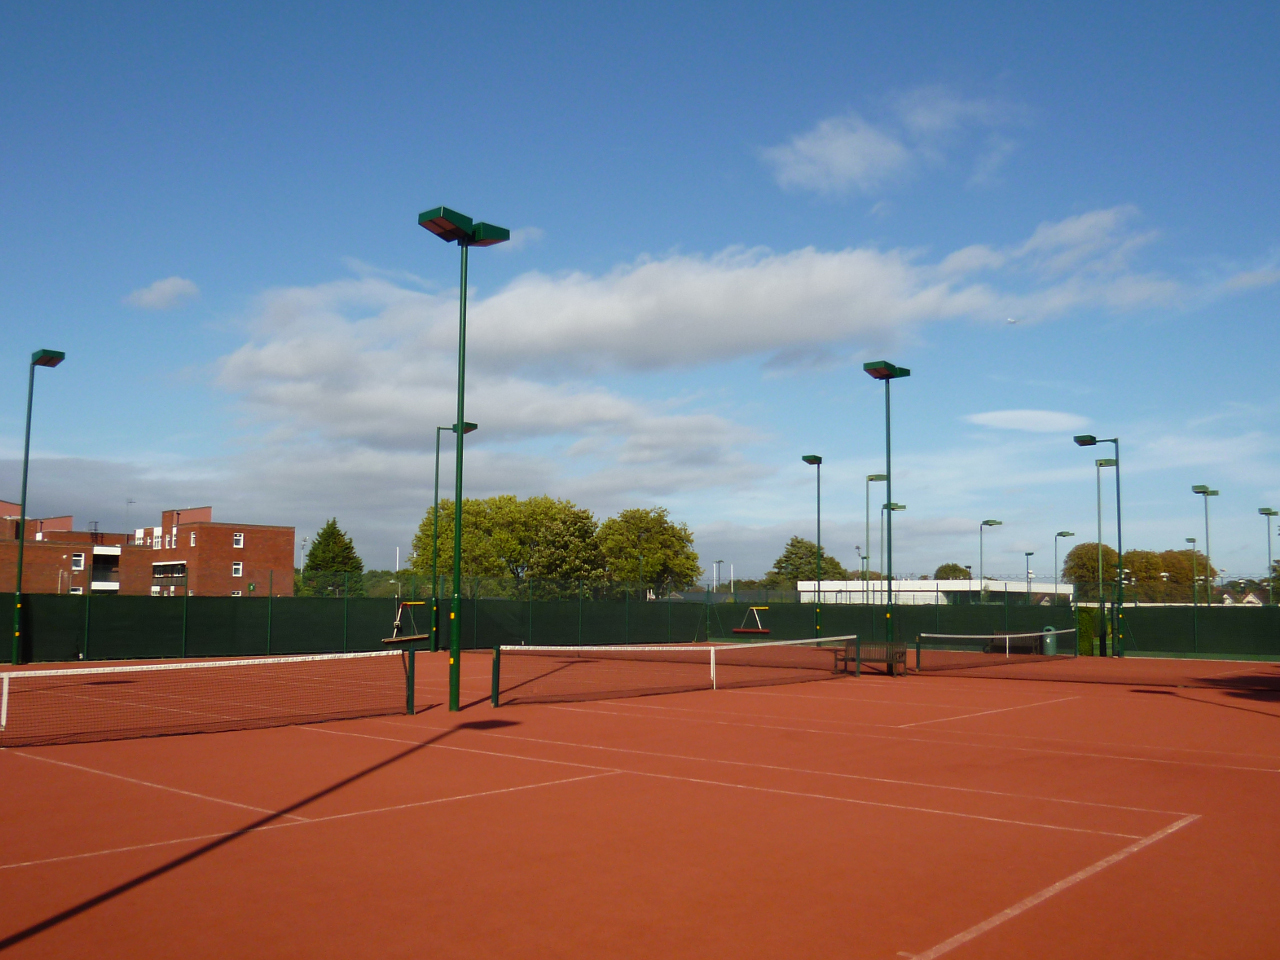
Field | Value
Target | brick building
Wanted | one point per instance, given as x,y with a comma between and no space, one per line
187,550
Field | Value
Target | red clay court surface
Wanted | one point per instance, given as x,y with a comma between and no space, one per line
856,817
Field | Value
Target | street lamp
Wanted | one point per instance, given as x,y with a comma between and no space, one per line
889,509
1098,465
41,358
1268,512
718,564
814,460
888,372
435,538
1089,440
982,575
1205,492
1061,534
866,554
451,226
1029,554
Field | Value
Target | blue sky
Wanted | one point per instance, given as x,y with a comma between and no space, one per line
719,213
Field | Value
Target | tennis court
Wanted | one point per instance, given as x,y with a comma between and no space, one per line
916,816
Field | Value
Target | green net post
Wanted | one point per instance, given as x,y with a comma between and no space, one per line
917,653
857,661
497,657
411,663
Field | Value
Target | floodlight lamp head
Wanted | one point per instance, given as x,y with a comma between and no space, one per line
448,225
895,506
877,477
1065,533
1029,553
1085,440
487,235
884,370
1107,462
1199,488
812,459
467,427
992,523
1268,512
1191,539
47,358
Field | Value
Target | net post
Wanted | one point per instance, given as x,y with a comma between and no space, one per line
713,668
411,666
917,653
497,675
857,661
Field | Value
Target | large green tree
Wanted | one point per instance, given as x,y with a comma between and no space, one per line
1081,564
651,536
951,571
799,561
332,564
511,538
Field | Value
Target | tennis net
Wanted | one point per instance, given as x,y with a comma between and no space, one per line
143,700
991,654
529,674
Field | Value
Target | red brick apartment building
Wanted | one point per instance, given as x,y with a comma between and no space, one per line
187,549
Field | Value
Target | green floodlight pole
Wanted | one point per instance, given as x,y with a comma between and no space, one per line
41,358
888,372
435,537
1028,554
1195,639
816,461
982,573
1205,492
1089,440
450,226
1056,537
866,549
1268,512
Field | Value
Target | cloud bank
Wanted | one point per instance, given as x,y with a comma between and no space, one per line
164,294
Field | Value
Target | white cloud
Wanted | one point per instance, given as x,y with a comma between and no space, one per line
838,154
1031,421
164,294
522,237
849,153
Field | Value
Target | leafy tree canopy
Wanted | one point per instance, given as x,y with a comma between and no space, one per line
1144,566
951,571
799,561
665,546
507,537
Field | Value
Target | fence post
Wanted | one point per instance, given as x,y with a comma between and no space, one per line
579,613
670,601
271,589
344,612
1006,608
86,625
530,582
186,592
626,613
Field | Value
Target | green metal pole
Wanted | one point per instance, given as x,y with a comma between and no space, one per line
86,625
497,676
435,551
579,613
888,496
817,609
1195,639
344,612
455,613
185,592
22,522
1208,564
1117,648
271,589
1102,611
411,682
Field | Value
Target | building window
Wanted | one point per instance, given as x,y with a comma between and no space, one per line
193,538
235,593
237,540
155,591
237,569
76,590
77,561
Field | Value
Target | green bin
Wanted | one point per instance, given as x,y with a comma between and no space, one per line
1050,641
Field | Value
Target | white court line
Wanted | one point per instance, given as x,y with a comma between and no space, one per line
966,716
1036,898
301,823
148,783
796,793
944,743
801,770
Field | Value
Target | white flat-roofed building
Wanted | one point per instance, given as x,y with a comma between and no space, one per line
932,591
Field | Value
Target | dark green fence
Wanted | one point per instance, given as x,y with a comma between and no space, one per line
1207,631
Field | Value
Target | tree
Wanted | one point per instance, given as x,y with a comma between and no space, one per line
1081,564
332,564
951,571
511,538
799,561
666,548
